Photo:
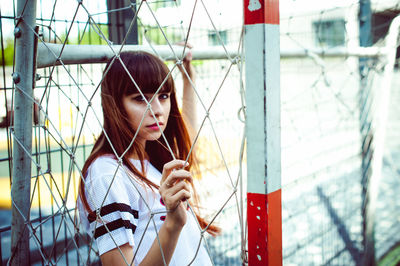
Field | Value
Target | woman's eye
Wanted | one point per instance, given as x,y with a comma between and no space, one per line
138,98
164,96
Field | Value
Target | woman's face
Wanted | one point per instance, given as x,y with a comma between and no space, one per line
136,109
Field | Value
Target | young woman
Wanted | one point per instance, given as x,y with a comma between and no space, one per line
134,196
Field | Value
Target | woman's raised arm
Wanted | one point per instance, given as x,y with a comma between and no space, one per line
189,102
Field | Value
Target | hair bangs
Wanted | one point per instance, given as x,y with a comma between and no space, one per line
151,74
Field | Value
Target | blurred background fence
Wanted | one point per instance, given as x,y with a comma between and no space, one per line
333,96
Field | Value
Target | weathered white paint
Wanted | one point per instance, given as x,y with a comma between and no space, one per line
263,108
273,108
255,120
254,5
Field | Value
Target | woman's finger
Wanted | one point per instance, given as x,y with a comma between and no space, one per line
169,167
177,187
175,200
182,43
178,175
176,178
174,164
167,191
169,195
188,57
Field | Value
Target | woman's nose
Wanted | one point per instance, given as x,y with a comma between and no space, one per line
156,106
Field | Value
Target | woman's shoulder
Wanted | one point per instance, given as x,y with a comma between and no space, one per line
104,165
104,160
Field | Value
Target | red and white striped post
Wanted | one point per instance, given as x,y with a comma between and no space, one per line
262,59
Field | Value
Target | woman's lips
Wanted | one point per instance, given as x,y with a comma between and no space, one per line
154,126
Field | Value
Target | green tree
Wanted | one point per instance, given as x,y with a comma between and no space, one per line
91,36
8,50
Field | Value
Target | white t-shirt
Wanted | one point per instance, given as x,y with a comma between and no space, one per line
127,206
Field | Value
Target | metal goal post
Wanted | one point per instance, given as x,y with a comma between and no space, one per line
262,55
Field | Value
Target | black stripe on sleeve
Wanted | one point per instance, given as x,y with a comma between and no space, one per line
114,225
113,207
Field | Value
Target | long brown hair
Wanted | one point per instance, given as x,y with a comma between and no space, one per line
148,72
